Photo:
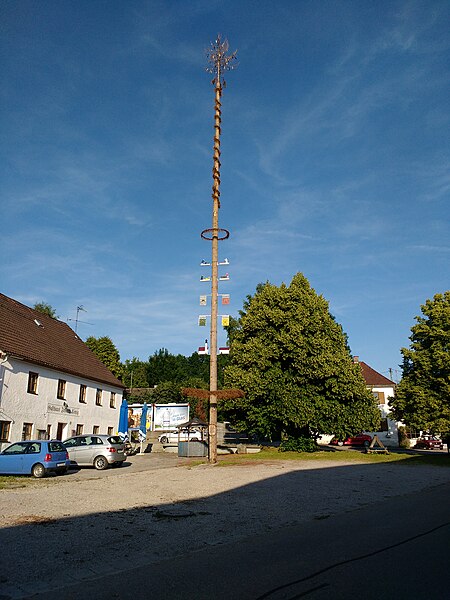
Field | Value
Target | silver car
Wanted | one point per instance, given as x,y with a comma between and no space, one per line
95,449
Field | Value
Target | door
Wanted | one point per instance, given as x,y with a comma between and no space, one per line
11,461
31,457
94,444
72,445
83,451
60,431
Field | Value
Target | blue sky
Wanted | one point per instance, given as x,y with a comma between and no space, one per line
335,162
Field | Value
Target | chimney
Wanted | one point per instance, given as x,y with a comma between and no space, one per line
356,359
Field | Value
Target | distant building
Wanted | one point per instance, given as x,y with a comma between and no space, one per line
51,384
382,389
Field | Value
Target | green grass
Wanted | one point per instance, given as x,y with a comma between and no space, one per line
272,454
10,482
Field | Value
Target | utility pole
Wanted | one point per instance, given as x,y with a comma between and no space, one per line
219,61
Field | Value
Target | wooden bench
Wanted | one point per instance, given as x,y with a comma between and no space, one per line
373,449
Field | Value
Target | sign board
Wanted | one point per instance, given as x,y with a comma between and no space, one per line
169,416
134,416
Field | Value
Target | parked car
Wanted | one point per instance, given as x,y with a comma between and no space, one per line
361,439
34,457
172,436
429,442
96,450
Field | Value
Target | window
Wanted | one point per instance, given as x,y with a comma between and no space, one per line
112,400
49,432
56,447
71,443
41,434
32,382
17,448
379,397
82,396
98,397
61,393
110,430
4,430
34,448
96,429
26,431
79,430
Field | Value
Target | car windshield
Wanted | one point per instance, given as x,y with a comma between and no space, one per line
18,448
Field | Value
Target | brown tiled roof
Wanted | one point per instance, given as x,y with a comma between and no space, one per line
372,377
37,338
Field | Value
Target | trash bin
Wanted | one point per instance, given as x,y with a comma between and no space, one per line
192,448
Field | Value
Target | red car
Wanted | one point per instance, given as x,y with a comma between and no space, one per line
429,442
361,439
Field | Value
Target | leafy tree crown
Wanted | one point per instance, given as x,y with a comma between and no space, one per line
422,398
292,359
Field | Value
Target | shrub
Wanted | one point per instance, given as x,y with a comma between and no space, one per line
302,444
403,439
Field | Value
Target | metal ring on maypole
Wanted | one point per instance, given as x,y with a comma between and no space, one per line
210,234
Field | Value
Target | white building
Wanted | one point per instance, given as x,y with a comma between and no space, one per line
382,389
51,384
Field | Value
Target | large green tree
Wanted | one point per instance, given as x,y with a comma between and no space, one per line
292,360
422,398
106,351
164,366
135,373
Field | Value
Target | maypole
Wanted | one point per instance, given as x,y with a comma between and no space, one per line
219,62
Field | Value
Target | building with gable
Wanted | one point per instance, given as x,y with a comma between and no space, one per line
51,384
382,389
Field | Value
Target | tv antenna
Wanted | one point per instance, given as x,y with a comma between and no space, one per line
77,320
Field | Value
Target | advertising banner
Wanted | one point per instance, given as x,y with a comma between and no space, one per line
169,416
134,416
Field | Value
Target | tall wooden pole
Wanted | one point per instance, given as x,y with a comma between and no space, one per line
214,280
219,62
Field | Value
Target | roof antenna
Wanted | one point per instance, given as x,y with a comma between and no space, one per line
79,308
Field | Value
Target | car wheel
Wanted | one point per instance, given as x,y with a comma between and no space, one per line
164,440
100,463
340,443
38,471
366,443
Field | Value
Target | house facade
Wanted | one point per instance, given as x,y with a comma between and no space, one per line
382,389
51,384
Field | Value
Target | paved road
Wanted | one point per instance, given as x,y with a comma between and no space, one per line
287,520
133,464
399,548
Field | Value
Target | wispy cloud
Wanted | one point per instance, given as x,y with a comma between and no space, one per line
430,248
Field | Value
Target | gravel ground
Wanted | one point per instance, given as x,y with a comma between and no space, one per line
73,528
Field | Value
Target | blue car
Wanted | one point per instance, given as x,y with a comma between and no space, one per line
34,457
